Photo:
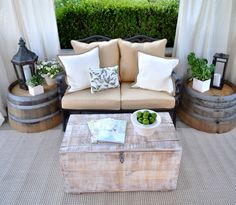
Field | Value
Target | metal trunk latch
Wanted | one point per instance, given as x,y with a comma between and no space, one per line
122,157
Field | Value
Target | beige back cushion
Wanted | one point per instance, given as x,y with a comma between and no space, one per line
108,51
129,56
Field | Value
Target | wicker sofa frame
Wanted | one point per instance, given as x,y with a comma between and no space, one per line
62,86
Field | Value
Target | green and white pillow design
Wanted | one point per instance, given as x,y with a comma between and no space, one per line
104,78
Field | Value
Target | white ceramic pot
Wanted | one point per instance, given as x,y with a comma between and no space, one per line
37,90
145,130
49,80
201,86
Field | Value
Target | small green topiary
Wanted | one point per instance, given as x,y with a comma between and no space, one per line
35,80
199,68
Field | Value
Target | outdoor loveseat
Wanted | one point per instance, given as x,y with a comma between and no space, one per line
123,98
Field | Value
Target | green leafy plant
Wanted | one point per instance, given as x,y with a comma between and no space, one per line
61,3
35,80
199,67
116,19
50,68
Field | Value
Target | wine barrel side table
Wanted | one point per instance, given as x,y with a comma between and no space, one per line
213,111
28,113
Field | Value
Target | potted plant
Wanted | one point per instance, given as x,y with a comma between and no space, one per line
35,85
201,72
48,70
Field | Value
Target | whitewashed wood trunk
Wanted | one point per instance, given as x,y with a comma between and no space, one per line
150,163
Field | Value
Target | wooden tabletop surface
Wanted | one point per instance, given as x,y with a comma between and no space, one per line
227,89
77,135
16,90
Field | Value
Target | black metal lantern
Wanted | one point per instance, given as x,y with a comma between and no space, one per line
220,60
24,64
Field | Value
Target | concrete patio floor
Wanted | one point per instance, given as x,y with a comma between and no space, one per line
30,172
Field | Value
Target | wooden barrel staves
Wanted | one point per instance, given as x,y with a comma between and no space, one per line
213,111
28,113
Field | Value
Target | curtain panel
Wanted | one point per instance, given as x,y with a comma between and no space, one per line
35,21
206,27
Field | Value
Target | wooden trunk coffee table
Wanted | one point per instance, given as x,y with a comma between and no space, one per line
141,164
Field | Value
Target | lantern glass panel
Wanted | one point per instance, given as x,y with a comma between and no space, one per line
27,72
219,70
19,72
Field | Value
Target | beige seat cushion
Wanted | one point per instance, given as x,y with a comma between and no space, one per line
129,56
84,100
108,51
137,98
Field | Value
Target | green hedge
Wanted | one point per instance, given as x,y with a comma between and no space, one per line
116,19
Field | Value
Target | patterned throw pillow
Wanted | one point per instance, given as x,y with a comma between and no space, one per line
104,78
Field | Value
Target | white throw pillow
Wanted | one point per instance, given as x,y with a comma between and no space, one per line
77,68
155,73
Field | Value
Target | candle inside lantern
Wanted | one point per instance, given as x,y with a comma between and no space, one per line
217,79
27,72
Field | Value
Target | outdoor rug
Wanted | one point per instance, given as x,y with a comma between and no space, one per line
30,172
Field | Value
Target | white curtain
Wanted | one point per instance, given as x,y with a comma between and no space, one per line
206,27
35,21
4,81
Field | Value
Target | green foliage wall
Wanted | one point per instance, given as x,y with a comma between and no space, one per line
116,19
